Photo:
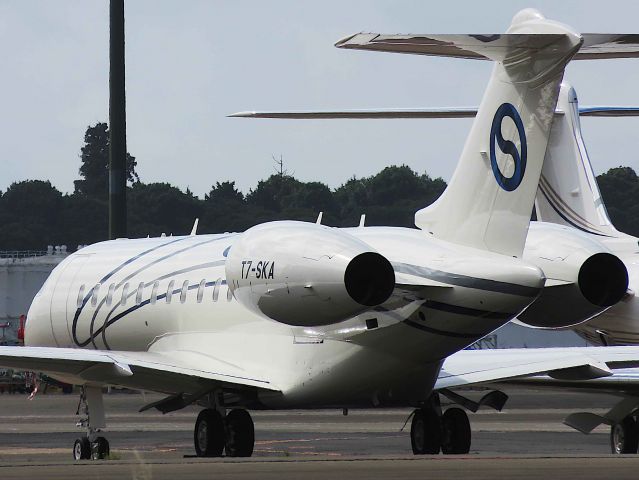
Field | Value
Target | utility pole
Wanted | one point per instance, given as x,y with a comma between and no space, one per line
117,123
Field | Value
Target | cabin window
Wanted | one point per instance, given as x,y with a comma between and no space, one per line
140,292
169,291
154,292
185,288
94,295
125,294
216,289
229,294
200,291
109,299
80,296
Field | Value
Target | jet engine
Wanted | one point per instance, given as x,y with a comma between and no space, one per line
582,277
306,274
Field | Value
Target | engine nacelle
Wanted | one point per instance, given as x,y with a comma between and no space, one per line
583,277
306,274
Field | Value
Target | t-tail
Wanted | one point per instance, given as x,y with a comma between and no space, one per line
568,193
490,197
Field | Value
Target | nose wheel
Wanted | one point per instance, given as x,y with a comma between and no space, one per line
82,449
213,434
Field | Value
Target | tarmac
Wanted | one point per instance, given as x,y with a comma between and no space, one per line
526,440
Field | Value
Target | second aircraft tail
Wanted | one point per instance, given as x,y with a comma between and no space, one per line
568,193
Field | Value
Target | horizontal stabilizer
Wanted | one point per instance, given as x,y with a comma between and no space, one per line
601,111
492,47
416,113
365,114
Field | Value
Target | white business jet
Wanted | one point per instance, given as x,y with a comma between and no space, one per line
300,315
569,196
583,256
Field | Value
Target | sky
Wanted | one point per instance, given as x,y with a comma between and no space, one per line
191,63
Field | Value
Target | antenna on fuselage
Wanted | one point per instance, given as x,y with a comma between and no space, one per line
319,218
194,229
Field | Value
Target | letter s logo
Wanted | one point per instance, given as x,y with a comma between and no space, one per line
508,147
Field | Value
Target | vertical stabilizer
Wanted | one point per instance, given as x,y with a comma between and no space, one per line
490,197
568,193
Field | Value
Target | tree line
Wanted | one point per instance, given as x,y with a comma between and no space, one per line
34,214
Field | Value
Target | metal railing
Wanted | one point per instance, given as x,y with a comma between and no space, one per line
22,253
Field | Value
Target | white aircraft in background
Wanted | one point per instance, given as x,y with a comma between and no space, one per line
300,315
569,196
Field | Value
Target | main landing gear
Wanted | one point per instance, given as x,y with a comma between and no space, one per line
432,431
92,445
216,431
624,436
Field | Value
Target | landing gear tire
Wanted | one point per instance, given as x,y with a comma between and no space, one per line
209,435
82,449
425,432
455,432
100,448
240,434
624,436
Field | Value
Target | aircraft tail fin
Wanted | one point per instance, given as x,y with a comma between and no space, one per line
568,193
490,197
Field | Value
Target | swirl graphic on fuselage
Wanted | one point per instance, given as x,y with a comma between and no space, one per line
508,147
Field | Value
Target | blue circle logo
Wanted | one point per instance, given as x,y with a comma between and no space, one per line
508,147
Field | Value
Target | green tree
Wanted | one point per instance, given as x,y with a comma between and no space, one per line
30,213
620,191
157,208
390,197
94,170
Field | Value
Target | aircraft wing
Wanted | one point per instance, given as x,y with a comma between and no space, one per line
623,381
168,372
553,366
